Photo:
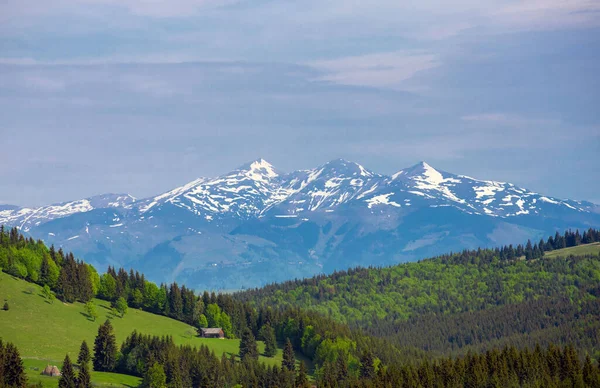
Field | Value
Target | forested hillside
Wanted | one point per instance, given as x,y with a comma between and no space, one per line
463,301
316,337
502,311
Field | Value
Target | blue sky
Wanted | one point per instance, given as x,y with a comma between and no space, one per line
140,96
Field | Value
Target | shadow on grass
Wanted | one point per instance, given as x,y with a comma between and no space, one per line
105,307
89,317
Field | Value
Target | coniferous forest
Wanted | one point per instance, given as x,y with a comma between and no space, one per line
488,317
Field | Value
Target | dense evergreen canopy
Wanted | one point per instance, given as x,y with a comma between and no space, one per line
467,318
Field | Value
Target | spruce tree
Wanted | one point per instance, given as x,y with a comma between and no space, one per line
85,291
288,362
248,347
341,367
14,372
175,302
84,354
105,348
327,376
588,369
268,336
174,378
44,272
67,375
2,355
66,278
84,380
302,378
367,365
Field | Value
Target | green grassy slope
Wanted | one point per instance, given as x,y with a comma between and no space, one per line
45,332
101,379
586,249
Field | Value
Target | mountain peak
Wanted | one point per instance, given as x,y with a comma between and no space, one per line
259,170
346,167
420,169
422,166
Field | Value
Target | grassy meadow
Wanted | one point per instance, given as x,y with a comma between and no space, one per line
45,332
586,249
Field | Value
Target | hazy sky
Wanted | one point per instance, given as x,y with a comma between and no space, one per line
140,96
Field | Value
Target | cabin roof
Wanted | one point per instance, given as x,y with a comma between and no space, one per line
212,330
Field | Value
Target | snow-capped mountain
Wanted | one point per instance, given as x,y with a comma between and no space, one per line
27,218
492,198
256,224
321,189
242,193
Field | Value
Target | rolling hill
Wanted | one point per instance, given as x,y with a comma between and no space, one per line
45,332
508,303
461,302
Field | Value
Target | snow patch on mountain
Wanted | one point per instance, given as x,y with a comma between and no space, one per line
383,199
489,190
261,170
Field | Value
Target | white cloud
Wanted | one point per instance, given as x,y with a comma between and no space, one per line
383,70
150,8
548,14
44,83
508,120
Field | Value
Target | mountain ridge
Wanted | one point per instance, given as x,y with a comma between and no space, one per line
423,176
255,224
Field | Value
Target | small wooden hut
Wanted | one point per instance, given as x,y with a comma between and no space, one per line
212,332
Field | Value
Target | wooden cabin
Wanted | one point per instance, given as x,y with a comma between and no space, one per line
212,332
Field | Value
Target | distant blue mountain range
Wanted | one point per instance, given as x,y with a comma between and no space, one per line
257,225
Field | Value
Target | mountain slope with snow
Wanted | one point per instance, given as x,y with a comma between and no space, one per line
27,218
236,229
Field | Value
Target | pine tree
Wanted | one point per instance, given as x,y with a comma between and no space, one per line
175,302
67,375
14,372
248,347
302,378
528,251
83,287
84,380
84,354
66,278
44,272
588,372
268,336
174,378
328,377
105,348
341,366
367,365
288,362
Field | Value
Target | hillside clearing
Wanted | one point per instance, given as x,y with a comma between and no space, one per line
45,332
586,249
